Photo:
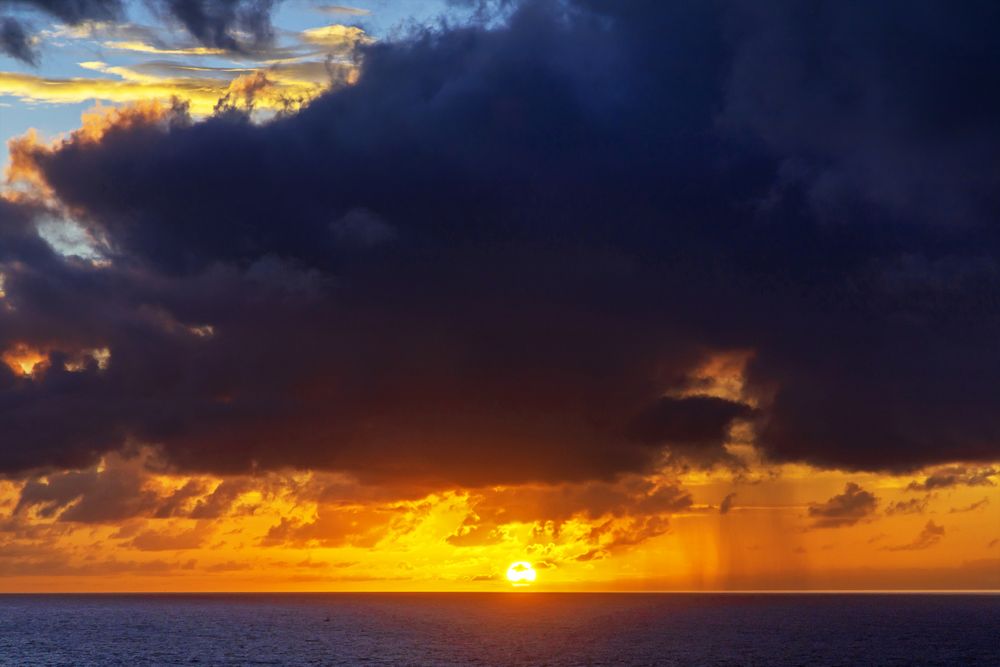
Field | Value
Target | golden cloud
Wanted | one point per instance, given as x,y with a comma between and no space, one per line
24,178
319,530
297,75
143,47
201,93
336,37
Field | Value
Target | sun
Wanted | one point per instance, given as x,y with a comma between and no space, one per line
521,573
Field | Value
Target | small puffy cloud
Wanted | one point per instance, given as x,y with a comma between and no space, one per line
844,509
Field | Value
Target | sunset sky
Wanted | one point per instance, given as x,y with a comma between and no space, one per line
651,295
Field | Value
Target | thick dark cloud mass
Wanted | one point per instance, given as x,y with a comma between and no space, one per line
694,425
874,105
492,258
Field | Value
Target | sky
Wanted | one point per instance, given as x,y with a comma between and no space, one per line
388,296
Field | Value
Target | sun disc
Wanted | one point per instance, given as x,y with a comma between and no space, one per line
521,573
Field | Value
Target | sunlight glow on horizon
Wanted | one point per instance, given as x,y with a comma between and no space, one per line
521,573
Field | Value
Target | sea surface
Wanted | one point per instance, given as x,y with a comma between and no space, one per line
501,629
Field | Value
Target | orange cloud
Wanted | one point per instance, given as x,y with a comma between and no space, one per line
23,176
127,524
22,168
24,359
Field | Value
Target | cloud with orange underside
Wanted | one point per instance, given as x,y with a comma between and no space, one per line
22,359
23,177
123,523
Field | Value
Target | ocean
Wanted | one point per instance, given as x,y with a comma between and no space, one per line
501,629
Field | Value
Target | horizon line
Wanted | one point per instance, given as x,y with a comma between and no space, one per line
776,591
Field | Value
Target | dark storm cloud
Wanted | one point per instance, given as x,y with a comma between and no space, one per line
697,424
874,104
89,496
879,121
844,509
218,23
493,257
14,40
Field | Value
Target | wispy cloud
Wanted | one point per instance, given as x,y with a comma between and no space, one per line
202,88
342,9
313,61
955,476
931,534
143,47
971,507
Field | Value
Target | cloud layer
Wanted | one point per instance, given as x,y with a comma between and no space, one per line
230,25
504,253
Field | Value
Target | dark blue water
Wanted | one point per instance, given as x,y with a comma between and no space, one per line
502,629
